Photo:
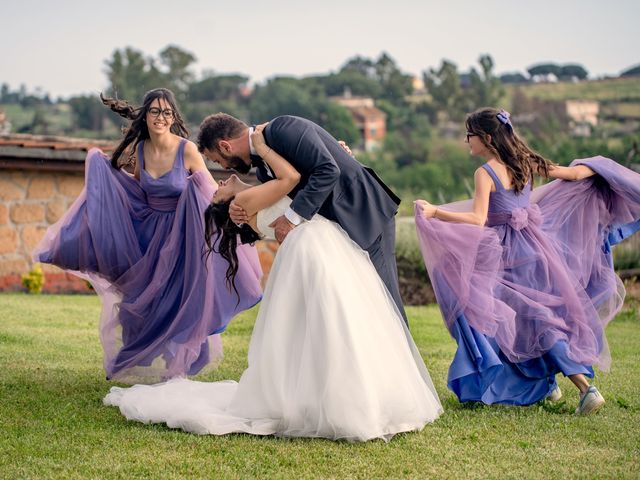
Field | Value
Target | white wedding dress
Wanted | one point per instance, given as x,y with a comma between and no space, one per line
329,356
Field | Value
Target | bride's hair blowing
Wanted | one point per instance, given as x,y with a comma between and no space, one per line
221,236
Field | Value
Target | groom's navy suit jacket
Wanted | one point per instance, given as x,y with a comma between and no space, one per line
333,183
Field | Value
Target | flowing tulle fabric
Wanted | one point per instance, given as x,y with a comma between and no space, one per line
163,303
329,356
529,296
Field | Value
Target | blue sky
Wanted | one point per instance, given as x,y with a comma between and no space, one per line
61,46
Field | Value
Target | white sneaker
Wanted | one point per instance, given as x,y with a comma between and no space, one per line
590,402
555,395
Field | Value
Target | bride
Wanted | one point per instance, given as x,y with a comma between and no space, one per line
330,355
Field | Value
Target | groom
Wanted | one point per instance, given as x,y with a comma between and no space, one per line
333,184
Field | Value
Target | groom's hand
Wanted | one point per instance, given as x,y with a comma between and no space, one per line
281,226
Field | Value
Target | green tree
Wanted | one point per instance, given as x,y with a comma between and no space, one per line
395,85
485,89
177,64
290,96
131,74
631,72
445,89
573,71
545,69
88,112
217,87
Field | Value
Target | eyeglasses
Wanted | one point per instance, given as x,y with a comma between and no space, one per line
471,134
156,112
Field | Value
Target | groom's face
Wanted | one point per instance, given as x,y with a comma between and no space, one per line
228,161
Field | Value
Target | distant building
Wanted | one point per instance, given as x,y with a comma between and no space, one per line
5,124
370,120
583,115
544,78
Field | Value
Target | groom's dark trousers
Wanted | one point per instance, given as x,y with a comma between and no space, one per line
338,187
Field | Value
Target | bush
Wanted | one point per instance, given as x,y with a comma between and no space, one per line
626,256
415,287
34,279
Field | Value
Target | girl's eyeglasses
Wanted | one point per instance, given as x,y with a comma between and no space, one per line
156,112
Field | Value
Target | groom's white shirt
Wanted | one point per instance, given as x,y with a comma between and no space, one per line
292,216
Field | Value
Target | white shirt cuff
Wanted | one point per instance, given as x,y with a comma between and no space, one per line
293,217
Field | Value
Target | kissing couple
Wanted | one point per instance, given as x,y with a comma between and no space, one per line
330,355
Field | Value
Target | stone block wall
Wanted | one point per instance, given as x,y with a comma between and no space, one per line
30,202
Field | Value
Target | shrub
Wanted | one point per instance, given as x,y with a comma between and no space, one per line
34,279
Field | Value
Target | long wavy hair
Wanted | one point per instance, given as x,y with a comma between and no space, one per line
138,130
221,236
521,161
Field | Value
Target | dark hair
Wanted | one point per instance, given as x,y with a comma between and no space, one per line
221,236
216,127
138,130
521,161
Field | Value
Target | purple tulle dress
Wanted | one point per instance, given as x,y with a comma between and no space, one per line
529,294
141,245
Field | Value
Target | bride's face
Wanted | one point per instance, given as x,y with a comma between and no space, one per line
227,189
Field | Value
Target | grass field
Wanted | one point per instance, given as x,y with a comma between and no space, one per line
609,90
54,425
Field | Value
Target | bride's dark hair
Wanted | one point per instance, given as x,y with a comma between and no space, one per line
138,130
221,236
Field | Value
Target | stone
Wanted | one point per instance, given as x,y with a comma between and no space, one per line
20,178
10,191
8,240
4,214
27,213
16,266
41,187
55,209
70,185
31,236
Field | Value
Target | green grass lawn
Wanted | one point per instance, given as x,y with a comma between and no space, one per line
53,423
610,90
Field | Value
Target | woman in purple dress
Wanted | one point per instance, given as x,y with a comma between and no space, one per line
139,239
524,279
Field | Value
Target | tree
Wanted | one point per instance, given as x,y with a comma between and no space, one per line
485,89
545,69
364,66
177,63
4,93
290,96
217,87
395,84
571,71
515,77
88,112
131,74
351,81
444,87
631,72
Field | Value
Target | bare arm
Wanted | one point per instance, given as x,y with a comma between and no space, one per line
262,196
480,204
194,162
136,168
577,172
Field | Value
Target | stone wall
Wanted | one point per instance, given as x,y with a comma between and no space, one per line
32,201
